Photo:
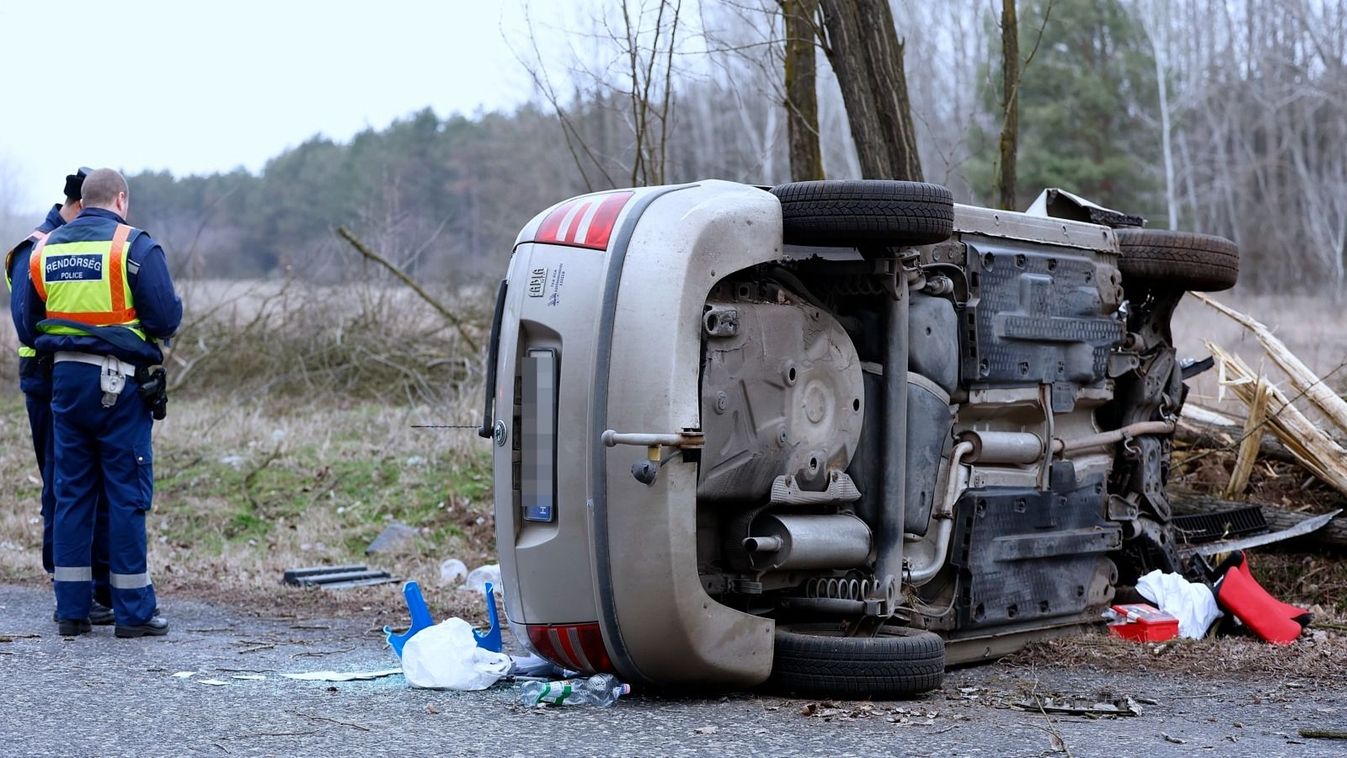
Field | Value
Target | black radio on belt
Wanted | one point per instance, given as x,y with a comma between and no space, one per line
37,366
153,383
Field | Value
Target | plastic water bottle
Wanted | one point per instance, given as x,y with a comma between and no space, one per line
601,689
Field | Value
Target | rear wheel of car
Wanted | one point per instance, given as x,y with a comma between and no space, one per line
870,213
1182,260
819,660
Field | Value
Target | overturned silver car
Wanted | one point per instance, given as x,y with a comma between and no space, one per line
835,435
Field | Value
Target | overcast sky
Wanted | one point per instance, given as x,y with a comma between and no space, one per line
201,86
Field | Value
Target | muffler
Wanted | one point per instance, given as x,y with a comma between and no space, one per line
836,541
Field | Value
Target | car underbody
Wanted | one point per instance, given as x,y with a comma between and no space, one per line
838,435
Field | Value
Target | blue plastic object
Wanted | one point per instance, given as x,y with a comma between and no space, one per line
490,639
420,613
416,606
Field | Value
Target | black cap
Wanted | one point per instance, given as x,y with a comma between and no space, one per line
74,183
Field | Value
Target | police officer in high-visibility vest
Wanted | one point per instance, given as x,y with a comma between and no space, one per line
35,382
102,301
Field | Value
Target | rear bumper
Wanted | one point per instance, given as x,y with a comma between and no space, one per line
666,628
620,553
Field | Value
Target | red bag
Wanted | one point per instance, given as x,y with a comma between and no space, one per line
1296,614
1240,595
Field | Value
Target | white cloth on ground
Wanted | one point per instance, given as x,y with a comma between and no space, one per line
1190,602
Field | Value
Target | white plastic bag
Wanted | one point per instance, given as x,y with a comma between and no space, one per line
478,577
446,656
1191,603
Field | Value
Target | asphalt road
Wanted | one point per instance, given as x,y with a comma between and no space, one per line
97,695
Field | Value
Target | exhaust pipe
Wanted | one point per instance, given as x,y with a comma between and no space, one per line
781,542
944,514
1003,447
893,441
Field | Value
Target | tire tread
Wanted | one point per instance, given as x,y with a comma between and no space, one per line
893,665
1196,262
867,212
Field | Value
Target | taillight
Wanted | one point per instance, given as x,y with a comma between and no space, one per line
578,647
584,222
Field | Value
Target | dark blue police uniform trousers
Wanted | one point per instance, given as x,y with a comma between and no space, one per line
100,452
37,396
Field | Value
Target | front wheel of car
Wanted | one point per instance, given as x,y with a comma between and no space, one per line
866,213
820,660
1181,260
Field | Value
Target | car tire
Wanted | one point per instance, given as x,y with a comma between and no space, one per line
1183,260
871,213
819,660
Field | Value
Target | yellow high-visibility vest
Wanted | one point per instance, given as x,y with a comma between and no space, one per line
85,281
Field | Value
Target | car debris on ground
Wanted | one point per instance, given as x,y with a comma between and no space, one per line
1124,706
337,577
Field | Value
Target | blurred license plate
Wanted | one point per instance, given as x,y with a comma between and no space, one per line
539,486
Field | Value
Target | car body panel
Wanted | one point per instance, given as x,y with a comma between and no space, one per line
620,552
677,632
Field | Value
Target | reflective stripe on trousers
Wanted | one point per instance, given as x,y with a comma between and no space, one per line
73,574
129,581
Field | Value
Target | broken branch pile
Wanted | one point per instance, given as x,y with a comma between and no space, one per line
1311,446
1295,438
1269,407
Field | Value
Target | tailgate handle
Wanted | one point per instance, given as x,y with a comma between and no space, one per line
493,352
646,470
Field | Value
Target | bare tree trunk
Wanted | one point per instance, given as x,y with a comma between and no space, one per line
806,158
865,53
1010,104
1159,36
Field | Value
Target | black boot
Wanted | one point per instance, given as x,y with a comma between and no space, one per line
100,615
157,626
73,627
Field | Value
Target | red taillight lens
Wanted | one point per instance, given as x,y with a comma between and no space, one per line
578,647
584,222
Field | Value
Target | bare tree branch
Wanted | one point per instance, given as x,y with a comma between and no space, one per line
369,254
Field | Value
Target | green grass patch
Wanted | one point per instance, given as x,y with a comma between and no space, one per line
211,503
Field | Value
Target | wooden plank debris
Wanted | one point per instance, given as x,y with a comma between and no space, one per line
1312,447
1200,427
1249,441
1303,379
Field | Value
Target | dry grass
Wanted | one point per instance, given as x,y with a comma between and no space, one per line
1316,656
246,491
294,339
289,443
286,337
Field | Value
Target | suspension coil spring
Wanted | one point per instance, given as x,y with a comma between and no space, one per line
845,588
855,285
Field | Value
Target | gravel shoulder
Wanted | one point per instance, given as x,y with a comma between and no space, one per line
97,695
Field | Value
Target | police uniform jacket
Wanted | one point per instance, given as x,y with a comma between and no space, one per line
157,306
31,378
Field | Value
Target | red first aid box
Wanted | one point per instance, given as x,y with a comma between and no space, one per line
1143,622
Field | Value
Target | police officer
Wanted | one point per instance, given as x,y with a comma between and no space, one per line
102,299
35,382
